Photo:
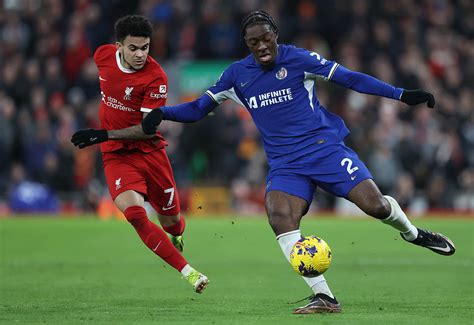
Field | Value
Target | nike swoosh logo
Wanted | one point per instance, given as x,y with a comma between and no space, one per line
154,249
167,208
93,139
242,84
353,177
446,249
100,78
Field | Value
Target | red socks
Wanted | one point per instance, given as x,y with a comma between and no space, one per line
177,229
154,237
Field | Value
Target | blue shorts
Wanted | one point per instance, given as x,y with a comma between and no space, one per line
336,171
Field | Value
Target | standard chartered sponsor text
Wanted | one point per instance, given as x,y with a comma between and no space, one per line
116,104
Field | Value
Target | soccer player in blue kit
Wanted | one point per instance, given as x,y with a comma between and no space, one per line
302,139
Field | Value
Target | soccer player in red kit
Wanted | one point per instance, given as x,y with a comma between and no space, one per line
136,166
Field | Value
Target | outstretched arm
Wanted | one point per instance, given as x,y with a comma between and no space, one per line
191,111
131,133
366,84
186,112
88,137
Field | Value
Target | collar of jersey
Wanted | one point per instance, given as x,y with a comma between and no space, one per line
119,64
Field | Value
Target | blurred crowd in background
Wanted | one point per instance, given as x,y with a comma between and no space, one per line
49,89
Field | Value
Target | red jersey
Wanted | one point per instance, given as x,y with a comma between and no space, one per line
126,95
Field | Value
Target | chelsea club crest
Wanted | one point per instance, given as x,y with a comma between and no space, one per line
281,74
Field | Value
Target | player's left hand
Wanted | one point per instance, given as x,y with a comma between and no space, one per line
88,137
418,96
151,121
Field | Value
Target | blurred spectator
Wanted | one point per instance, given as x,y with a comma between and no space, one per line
77,49
25,196
465,200
384,167
36,150
7,135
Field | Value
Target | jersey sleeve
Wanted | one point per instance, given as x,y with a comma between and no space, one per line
155,94
317,65
365,83
98,54
224,88
191,111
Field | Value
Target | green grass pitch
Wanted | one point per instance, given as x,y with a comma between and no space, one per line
85,270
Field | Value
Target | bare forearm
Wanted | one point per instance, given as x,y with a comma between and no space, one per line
131,133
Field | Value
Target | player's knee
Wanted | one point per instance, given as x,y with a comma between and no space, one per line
275,217
281,222
136,215
169,221
380,208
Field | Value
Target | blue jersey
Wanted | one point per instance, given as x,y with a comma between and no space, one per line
283,102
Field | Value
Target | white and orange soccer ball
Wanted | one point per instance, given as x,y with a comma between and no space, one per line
310,256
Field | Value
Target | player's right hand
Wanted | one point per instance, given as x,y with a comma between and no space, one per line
88,137
151,121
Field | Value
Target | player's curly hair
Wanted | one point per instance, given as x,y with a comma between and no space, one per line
258,17
133,25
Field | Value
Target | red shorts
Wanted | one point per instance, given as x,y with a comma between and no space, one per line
147,173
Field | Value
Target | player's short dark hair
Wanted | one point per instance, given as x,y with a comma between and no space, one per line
258,17
133,25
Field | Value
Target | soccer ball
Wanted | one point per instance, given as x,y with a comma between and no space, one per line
310,256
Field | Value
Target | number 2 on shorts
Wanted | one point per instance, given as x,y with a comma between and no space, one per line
350,169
